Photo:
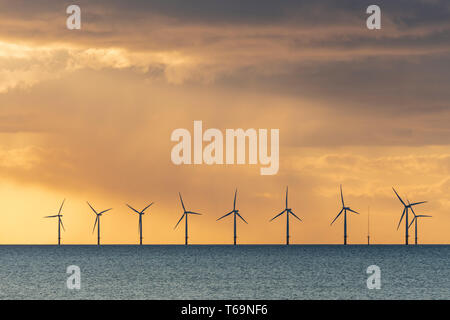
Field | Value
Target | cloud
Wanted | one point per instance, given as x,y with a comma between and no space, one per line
218,40
91,112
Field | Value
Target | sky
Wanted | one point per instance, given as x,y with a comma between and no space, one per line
87,115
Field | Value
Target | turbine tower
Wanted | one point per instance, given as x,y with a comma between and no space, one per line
405,214
368,226
140,213
415,219
60,223
235,213
97,220
288,212
344,209
185,215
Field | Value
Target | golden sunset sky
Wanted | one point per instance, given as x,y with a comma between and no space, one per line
87,115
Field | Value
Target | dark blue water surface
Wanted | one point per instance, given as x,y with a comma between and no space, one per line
225,272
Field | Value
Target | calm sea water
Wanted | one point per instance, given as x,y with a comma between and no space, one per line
225,272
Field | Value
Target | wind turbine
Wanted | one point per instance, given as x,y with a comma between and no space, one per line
60,223
97,220
288,211
185,215
140,213
415,220
344,209
235,213
368,226
405,213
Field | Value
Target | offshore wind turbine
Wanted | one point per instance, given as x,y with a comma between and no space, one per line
415,219
97,220
405,214
344,209
185,216
235,213
140,213
60,223
368,226
288,212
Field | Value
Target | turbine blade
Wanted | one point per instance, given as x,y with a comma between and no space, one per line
416,203
191,212
91,207
242,218
105,211
412,222
147,207
59,212
50,216
95,224
424,216
287,187
340,212
132,208
278,215
399,197
404,210
234,204
179,220
182,204
352,211
342,197
225,215
62,224
414,213
295,215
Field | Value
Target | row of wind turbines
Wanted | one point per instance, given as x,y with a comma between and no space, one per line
235,214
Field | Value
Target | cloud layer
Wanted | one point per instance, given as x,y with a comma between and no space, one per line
89,113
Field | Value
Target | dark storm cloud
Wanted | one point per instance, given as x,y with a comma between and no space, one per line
309,14
408,13
320,51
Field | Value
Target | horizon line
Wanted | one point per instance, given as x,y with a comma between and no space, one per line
226,244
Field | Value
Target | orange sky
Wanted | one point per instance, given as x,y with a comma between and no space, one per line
87,115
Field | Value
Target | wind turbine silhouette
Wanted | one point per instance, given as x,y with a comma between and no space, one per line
416,217
60,223
185,215
235,213
288,211
344,209
405,213
368,226
97,219
140,213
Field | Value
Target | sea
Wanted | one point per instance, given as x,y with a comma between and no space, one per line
225,272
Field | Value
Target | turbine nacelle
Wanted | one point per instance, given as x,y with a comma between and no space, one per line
234,211
185,212
140,213
407,206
